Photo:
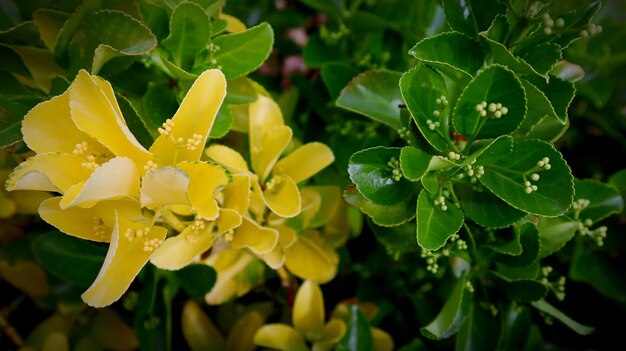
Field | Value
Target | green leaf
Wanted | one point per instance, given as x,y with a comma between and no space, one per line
223,122
434,225
421,86
240,91
525,290
316,53
494,84
515,327
506,242
545,307
414,163
554,233
370,170
134,122
385,216
575,21
243,52
397,240
604,199
347,141
196,279
555,188
12,62
560,93
470,16
526,265
539,110
603,272
25,33
11,115
478,330
495,150
618,180
374,94
190,29
430,181
159,104
337,75
74,260
486,209
455,54
452,315
543,57
358,336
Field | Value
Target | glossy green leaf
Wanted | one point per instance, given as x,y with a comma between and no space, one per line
492,151
486,209
545,307
134,122
370,170
515,327
386,216
243,52
397,240
190,29
358,336
560,93
554,233
526,265
414,163
494,84
604,199
346,142
74,260
336,75
543,57
434,225
24,33
11,115
374,94
452,315
470,16
507,242
555,187
196,279
159,104
421,86
539,110
430,181
223,122
455,54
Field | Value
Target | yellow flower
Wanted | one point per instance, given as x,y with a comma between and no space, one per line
308,325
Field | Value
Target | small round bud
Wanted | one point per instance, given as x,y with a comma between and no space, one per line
528,190
479,107
497,114
492,107
584,33
549,22
560,23
504,110
545,16
534,176
547,166
547,30
438,101
527,183
483,113
436,113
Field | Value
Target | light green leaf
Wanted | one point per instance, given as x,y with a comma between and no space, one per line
434,225
223,122
385,216
190,29
455,54
243,52
555,187
372,173
430,181
421,86
554,233
452,315
374,94
494,84
414,163
545,307
486,209
240,91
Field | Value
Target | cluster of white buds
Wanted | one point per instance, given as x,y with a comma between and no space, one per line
592,29
549,23
458,242
598,235
131,233
396,171
432,125
150,165
431,260
194,142
544,164
580,205
453,156
469,286
166,127
213,48
529,187
557,286
474,172
151,245
405,134
441,201
491,110
442,103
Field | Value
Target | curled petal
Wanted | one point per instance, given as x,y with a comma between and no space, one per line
311,258
227,157
116,179
48,172
276,258
164,186
180,250
95,111
281,337
128,253
237,194
260,240
308,310
305,161
272,145
195,116
205,180
284,197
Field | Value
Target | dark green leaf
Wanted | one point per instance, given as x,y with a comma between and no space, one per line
554,233
526,265
552,311
486,209
543,57
604,199
539,112
316,53
478,330
560,93
506,242
25,33
372,173
494,84
346,141
603,272
453,53
134,122
74,260
396,240
374,94
434,224
493,151
555,187
470,16
243,52
11,115
421,86
515,327
358,337
452,315
414,163
618,180
525,290
337,75
11,62
159,104
190,29
386,216
196,279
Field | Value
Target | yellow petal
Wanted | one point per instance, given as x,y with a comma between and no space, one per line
257,202
237,273
305,161
233,24
237,194
281,337
227,157
311,203
334,330
48,172
198,330
95,111
128,253
205,180
284,197
28,202
308,310
94,223
241,336
382,340
195,115
115,179
27,276
276,258
331,203
311,258
164,186
272,145
258,239
180,250
48,127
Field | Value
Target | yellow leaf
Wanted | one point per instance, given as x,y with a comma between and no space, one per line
237,194
305,161
227,157
333,332
237,273
56,342
205,180
258,239
311,258
26,276
272,145
48,172
164,186
281,337
308,310
198,330
241,336
382,340
282,196
233,24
